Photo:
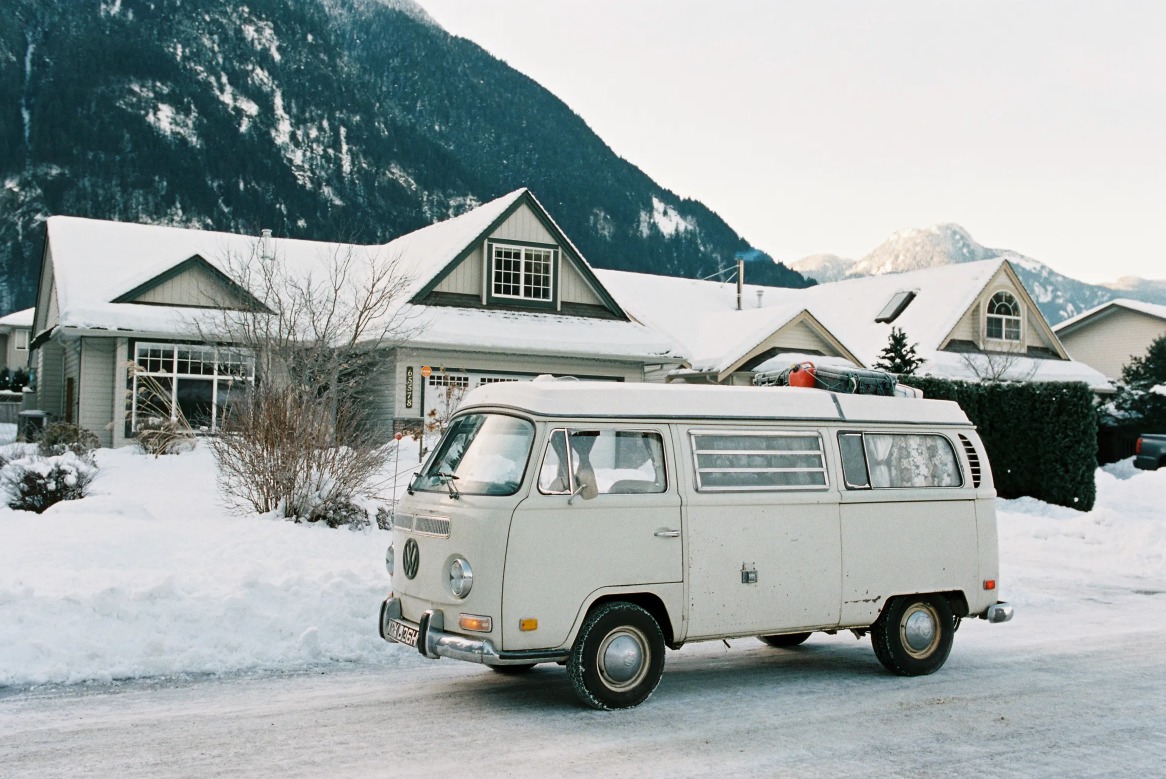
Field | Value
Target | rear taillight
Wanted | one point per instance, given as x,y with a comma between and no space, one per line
1138,447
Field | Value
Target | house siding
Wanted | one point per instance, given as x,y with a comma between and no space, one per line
97,365
195,287
50,382
1109,343
71,371
523,225
120,393
466,278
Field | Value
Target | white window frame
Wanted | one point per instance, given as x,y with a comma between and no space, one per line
774,455
527,257
1007,322
20,336
168,369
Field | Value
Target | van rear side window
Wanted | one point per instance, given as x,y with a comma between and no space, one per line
740,460
896,460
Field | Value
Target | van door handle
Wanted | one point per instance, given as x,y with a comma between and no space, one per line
666,533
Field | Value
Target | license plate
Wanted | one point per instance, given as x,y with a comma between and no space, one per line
402,633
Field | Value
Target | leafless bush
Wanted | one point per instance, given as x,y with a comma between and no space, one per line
998,367
284,449
301,441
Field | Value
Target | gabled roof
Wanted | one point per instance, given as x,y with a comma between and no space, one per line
1105,309
492,215
243,298
691,310
99,266
22,318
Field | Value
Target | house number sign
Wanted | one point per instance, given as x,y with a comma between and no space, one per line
409,387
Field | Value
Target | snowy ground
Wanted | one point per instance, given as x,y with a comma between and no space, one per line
149,580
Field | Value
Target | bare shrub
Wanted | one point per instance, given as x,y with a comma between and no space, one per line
999,367
61,437
284,449
301,441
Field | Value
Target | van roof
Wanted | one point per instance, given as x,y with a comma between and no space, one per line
609,400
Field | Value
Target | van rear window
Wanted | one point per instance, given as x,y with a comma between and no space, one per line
898,460
738,460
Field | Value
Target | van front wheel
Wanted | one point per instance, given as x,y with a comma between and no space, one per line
913,635
618,657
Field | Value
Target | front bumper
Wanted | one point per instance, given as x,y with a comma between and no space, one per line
433,642
999,612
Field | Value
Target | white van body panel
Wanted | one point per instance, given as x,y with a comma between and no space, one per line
713,559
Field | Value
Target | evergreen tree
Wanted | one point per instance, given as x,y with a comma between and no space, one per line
1137,396
899,357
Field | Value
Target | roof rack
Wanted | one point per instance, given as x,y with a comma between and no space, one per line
856,381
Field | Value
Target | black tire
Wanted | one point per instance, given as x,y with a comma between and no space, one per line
512,670
913,635
622,632
785,640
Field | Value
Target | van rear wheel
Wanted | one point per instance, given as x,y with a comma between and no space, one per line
785,640
913,635
618,657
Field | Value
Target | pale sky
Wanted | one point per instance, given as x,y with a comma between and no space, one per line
824,126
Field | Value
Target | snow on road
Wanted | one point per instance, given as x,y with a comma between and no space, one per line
248,646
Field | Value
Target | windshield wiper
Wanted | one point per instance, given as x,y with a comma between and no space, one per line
448,479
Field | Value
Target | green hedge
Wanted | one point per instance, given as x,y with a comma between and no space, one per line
1041,438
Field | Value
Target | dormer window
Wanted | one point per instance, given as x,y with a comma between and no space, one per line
524,273
1004,322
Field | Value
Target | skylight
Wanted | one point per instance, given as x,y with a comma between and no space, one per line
899,301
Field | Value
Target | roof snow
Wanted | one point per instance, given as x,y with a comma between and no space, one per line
96,261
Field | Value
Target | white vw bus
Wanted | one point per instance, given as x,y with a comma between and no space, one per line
594,524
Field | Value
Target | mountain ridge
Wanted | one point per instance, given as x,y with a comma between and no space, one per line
1058,296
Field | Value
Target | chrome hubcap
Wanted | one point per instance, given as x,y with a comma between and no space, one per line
920,630
622,657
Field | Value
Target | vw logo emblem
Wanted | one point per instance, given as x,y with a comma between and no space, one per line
411,559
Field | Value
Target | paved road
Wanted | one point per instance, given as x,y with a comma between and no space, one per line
1067,690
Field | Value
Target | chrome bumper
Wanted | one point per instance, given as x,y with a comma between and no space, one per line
433,642
1000,612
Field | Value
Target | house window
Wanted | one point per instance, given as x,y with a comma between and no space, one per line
1003,317
187,382
522,273
21,340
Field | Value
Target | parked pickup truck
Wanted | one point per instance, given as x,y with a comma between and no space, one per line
1150,453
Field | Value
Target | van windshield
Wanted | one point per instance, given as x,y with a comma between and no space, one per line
481,454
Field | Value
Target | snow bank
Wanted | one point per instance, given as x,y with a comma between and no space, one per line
150,576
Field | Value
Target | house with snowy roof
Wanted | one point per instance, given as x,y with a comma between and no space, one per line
1108,336
971,321
498,293
15,329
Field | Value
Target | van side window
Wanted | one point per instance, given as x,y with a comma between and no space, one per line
614,462
742,460
890,460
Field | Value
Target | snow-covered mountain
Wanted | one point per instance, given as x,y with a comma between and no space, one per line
353,120
1058,296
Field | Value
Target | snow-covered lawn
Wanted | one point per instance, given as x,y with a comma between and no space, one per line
151,576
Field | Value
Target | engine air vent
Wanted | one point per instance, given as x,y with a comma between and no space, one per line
973,459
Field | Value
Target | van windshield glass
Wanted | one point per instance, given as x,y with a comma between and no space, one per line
481,454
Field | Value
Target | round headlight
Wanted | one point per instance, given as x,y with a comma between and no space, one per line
390,558
461,577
